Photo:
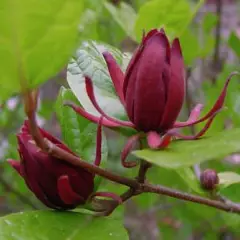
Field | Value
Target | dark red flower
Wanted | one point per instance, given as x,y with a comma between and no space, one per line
55,183
152,92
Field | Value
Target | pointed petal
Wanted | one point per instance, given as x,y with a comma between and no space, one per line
89,116
150,88
127,149
176,87
200,133
156,142
98,157
110,195
66,193
90,92
217,106
116,74
16,165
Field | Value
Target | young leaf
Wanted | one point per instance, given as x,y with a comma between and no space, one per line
124,15
89,61
173,15
48,225
182,153
228,178
77,132
37,38
234,43
190,179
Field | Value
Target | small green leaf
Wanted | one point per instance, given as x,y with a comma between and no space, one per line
124,15
37,39
190,179
228,178
49,225
89,61
173,15
77,132
185,153
234,43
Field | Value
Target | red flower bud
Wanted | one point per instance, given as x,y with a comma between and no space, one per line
209,179
154,83
55,183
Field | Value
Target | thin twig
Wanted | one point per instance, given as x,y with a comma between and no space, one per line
144,166
189,197
135,187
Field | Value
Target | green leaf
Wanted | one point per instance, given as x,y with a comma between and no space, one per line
124,15
234,43
228,178
209,22
78,132
173,15
185,153
190,179
37,39
89,61
49,225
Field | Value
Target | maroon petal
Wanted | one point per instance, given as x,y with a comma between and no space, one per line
116,74
90,92
150,89
176,86
66,193
110,195
217,106
131,142
91,117
200,133
98,157
156,142
16,165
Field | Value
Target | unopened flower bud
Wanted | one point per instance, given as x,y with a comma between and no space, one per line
209,179
57,184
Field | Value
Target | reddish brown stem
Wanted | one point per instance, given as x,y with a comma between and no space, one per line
136,187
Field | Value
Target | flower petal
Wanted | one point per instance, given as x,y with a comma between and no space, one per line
16,165
110,195
66,193
150,88
217,106
131,142
176,87
157,142
90,92
116,74
90,116
98,157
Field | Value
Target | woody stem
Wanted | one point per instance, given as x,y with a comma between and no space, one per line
137,186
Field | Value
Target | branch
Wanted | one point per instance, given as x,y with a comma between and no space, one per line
136,187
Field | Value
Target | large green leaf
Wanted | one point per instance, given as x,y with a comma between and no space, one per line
124,15
89,61
173,15
49,225
182,153
37,39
